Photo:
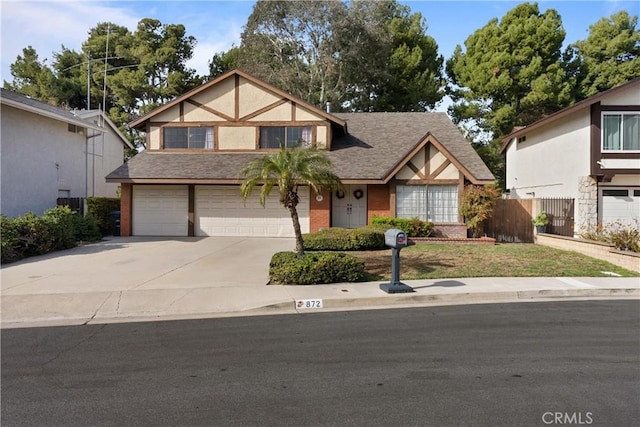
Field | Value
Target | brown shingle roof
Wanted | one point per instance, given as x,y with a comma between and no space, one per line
377,143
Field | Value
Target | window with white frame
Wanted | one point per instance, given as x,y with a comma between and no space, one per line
188,137
621,131
290,136
435,203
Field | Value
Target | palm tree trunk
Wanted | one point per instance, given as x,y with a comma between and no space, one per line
297,231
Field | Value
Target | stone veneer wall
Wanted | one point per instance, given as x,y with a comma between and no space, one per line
587,215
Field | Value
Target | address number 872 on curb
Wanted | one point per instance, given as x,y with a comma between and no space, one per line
305,304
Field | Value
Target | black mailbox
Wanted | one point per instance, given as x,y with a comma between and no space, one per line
395,238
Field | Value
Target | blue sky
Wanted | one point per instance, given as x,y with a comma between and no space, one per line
46,25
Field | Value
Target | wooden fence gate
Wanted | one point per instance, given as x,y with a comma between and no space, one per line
511,221
560,212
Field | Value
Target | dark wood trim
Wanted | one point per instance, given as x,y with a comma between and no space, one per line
209,110
619,155
182,111
427,181
402,162
263,110
620,108
222,123
392,197
237,97
293,111
440,169
596,139
460,191
415,170
192,204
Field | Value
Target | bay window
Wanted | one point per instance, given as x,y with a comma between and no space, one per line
621,131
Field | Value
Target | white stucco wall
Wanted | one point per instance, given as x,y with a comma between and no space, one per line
551,160
106,153
39,157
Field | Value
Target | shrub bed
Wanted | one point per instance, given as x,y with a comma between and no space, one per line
286,268
414,227
100,209
345,239
624,237
59,228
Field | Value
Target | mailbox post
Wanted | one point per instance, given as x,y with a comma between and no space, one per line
396,240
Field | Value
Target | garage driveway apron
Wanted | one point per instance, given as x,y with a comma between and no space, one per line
125,276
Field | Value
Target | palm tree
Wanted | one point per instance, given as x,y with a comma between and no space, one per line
288,169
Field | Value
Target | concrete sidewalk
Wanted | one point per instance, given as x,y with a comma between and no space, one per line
206,302
152,279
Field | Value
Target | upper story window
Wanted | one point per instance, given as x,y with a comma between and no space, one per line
188,137
621,131
290,136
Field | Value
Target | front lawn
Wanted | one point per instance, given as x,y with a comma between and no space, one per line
438,261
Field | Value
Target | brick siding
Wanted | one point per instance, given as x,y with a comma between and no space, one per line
320,212
377,201
126,194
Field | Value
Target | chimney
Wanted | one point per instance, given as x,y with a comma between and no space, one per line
328,106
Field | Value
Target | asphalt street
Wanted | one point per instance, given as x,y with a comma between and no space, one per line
473,365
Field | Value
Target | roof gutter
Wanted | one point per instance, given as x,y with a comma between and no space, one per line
79,122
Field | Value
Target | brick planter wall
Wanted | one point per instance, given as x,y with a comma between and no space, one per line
450,230
459,241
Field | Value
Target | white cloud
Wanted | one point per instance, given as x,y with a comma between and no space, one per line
46,26
215,41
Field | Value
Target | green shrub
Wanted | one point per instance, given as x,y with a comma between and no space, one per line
623,236
25,236
59,228
345,239
100,209
287,268
85,228
413,227
60,223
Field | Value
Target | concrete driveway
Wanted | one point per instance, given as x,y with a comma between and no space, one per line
128,263
158,271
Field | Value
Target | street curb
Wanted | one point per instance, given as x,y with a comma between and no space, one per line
386,301
398,300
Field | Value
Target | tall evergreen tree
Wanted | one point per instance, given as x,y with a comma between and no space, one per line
361,56
608,57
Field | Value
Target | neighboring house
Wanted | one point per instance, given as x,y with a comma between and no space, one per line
187,181
49,152
589,151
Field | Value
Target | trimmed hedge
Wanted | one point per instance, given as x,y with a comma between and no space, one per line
100,209
345,239
286,268
28,235
414,227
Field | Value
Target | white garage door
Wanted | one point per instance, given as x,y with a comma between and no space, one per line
160,210
620,205
221,211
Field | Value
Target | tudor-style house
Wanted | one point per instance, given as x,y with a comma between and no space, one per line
187,181
589,151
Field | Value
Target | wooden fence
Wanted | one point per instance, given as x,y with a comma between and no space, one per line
75,203
511,221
